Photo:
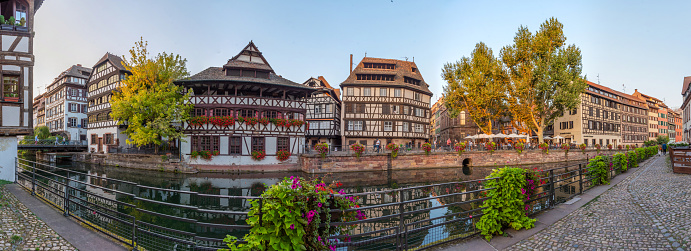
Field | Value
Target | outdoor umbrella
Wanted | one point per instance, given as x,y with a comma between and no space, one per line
546,137
513,135
500,135
558,137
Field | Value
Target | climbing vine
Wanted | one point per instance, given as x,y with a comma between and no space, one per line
505,205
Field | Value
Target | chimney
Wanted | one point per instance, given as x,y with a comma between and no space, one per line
351,63
80,65
636,90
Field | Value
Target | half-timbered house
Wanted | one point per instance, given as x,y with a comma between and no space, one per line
65,104
17,75
385,99
243,108
323,113
104,133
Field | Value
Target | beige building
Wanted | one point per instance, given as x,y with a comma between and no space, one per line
385,99
657,115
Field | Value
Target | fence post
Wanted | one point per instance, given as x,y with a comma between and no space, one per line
134,233
33,180
16,169
551,188
580,178
401,223
67,195
261,200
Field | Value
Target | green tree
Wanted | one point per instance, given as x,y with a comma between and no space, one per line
476,84
147,100
42,132
545,75
662,139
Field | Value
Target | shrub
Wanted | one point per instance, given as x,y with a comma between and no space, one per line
628,147
582,147
295,216
393,148
633,159
358,149
12,21
505,204
427,147
258,155
460,148
544,147
621,161
282,155
322,149
519,147
597,170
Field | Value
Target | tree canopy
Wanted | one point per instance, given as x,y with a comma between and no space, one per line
147,101
42,132
534,80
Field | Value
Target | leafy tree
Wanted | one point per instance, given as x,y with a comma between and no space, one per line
662,139
42,132
545,75
147,100
476,84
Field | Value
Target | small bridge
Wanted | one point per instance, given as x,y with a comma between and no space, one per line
53,146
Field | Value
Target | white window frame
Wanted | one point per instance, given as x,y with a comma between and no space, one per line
397,92
367,91
405,126
350,91
383,92
418,128
388,126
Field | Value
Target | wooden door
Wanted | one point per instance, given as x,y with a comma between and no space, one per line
100,144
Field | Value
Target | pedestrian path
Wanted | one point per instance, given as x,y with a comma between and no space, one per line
48,229
646,208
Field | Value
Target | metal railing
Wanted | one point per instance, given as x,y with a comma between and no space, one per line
172,153
46,142
151,218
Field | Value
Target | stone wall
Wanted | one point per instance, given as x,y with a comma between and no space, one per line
379,162
137,161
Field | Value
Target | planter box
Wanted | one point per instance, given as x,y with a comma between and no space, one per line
21,28
681,160
11,99
6,27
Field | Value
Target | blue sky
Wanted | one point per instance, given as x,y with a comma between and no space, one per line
640,44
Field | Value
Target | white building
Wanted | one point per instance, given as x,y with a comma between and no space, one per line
104,133
65,104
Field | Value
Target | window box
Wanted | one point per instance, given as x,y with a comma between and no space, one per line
21,28
6,27
11,99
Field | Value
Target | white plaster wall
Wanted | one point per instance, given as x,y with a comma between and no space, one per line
10,116
232,160
7,42
8,151
270,145
23,45
223,148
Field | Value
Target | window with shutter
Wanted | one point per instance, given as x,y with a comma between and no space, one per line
385,109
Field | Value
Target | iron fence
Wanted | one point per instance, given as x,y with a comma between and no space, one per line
46,142
151,218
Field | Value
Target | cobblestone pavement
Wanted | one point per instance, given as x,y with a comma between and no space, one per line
649,210
20,229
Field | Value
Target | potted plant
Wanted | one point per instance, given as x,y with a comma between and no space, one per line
11,97
22,25
519,147
460,148
427,147
544,147
4,25
394,149
582,147
565,147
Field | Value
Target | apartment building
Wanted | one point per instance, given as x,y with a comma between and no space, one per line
657,115
323,113
455,128
605,116
65,104
435,123
39,110
686,109
675,124
385,99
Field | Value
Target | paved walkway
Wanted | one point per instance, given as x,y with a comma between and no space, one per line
20,229
48,229
647,208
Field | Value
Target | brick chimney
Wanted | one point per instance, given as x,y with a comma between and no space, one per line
351,63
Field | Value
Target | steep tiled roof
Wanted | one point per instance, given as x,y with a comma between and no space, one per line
37,4
77,71
401,70
115,60
217,73
612,91
249,58
685,87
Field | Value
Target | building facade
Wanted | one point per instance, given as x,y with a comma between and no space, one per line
248,90
39,110
323,113
675,124
16,72
65,104
385,99
686,109
634,120
434,121
104,133
657,115
455,129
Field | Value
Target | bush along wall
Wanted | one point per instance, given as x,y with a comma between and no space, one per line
597,170
505,205
621,163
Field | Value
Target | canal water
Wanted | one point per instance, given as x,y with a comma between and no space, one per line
253,184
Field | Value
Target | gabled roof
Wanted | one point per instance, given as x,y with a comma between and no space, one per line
401,70
115,60
78,71
615,92
37,4
218,74
323,84
685,87
249,58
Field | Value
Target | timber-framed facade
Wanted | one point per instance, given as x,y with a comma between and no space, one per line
104,133
385,99
65,104
323,113
247,90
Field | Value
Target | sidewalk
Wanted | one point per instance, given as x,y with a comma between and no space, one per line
547,220
63,229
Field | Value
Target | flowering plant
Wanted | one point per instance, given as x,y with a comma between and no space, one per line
582,147
628,147
519,147
491,146
207,155
393,148
222,121
282,155
322,149
264,121
533,179
544,147
427,147
609,146
565,147
296,212
460,148
358,149
597,146
505,205
258,155
199,120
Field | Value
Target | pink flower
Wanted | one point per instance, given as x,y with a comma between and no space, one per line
292,226
522,191
341,192
319,204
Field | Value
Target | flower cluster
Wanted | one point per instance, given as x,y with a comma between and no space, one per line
222,121
393,148
610,146
565,147
544,147
286,122
597,146
199,120
249,121
620,147
322,149
460,147
427,147
358,149
282,155
519,147
258,155
264,121
533,180
491,146
582,147
207,155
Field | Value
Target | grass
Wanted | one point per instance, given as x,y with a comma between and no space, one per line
15,239
4,182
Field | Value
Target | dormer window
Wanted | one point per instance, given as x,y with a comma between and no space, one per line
413,69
